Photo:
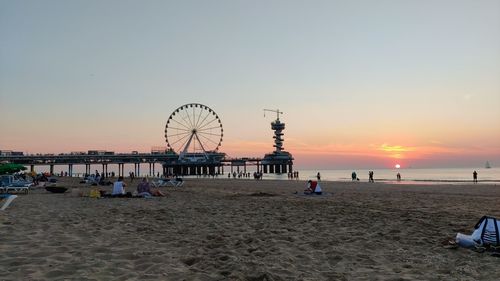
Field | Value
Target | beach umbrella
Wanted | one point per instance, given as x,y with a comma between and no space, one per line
10,168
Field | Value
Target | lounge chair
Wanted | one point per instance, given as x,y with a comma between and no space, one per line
11,183
177,182
17,189
8,198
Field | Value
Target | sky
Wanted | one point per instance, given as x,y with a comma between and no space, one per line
361,84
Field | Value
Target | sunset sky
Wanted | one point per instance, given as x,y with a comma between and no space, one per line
362,84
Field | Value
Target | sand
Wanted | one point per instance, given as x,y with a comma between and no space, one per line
249,230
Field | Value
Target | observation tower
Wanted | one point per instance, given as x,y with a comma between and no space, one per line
279,161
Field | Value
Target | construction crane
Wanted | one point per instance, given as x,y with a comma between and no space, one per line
277,111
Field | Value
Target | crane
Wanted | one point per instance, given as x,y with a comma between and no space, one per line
277,111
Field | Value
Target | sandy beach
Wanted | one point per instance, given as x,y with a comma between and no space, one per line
248,230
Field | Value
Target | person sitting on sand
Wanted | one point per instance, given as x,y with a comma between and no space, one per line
313,188
118,187
144,189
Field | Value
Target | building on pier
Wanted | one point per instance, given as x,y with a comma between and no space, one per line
279,161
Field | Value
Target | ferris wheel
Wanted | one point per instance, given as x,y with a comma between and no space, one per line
193,128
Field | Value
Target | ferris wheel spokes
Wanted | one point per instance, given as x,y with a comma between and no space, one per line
193,129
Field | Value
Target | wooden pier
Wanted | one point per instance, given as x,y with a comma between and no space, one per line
169,161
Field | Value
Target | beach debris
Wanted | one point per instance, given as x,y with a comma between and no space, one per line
262,194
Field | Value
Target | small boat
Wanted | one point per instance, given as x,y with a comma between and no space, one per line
487,165
56,189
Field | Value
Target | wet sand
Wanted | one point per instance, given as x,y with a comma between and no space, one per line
248,230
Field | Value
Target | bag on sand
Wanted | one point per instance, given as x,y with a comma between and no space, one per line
95,193
486,234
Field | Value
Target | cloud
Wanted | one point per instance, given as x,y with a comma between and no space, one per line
395,148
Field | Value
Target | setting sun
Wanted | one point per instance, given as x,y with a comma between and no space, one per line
397,166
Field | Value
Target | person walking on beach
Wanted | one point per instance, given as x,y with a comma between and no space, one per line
370,176
474,177
318,176
398,176
354,176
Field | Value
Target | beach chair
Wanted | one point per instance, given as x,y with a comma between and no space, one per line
8,198
177,182
10,183
159,183
5,181
17,189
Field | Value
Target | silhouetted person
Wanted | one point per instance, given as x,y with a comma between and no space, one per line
398,176
474,176
370,176
318,176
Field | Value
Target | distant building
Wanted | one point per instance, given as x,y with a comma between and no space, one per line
158,150
5,152
100,152
10,153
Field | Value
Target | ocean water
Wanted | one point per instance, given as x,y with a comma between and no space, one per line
422,176
436,175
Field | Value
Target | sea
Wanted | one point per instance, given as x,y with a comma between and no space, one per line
408,175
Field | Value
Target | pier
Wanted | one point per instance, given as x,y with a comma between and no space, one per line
169,161
193,134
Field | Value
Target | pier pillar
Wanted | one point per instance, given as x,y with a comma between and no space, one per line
32,168
120,169
70,170
106,167
154,170
103,170
149,168
51,170
245,167
283,168
265,168
138,169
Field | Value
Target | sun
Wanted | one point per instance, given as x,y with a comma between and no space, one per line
397,166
